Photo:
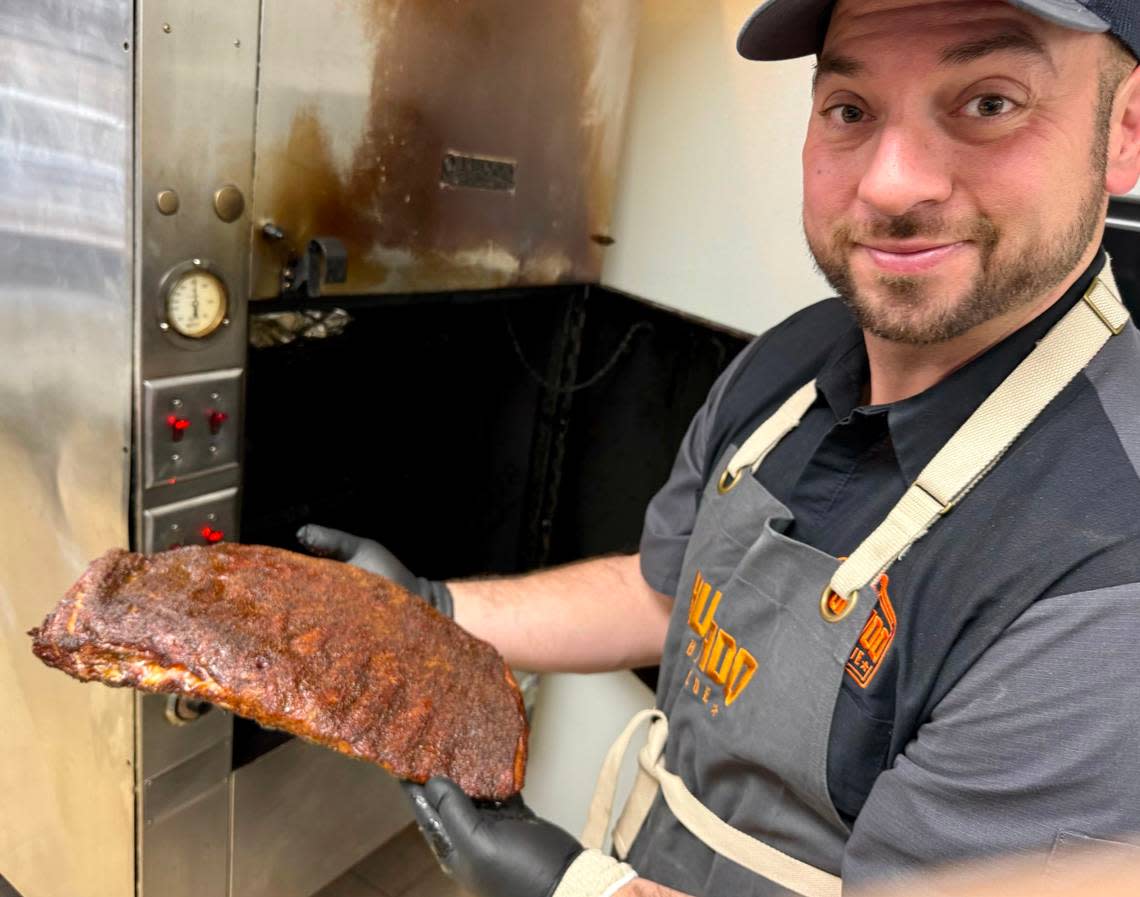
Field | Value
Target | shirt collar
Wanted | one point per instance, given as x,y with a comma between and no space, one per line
922,424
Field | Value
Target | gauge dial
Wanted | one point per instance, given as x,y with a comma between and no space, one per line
196,303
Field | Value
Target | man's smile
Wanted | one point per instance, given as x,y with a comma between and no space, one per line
908,256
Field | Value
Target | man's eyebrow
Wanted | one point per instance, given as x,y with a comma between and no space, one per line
1016,41
830,64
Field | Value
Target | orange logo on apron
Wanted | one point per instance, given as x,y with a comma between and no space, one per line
729,666
876,637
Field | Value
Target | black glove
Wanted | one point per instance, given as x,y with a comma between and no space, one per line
500,850
375,558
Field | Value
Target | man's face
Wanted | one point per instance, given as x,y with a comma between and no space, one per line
954,163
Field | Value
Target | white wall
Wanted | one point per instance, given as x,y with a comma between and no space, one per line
575,720
707,218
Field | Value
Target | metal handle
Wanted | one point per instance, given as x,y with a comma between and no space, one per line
181,710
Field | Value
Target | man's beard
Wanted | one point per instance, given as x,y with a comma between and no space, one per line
911,313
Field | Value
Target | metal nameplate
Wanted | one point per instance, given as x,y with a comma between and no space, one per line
477,173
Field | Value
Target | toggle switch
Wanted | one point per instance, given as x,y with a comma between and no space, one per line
212,535
178,426
216,419
197,416
202,520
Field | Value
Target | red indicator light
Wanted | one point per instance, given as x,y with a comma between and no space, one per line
178,426
217,418
212,535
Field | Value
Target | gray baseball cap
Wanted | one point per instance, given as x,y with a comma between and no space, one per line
785,29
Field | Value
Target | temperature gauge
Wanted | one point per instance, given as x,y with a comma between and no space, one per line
195,300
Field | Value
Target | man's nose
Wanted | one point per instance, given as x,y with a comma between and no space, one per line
905,170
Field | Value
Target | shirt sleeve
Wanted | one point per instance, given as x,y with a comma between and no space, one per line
1036,746
673,510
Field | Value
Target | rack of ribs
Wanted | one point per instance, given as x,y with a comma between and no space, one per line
314,647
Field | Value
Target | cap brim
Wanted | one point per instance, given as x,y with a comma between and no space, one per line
787,29
784,29
1067,13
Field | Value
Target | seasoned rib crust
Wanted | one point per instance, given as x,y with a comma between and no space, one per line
315,647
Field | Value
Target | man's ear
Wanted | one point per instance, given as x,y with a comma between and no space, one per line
1123,168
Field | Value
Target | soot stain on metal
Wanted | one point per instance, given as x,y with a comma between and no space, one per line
474,78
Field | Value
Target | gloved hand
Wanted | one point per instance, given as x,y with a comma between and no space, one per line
375,558
504,850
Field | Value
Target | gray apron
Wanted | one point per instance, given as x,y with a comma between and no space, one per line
760,640
752,742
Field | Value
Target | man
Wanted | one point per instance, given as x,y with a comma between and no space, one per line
963,684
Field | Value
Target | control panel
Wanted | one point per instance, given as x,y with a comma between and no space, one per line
191,425
201,520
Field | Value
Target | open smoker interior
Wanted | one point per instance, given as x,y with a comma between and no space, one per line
472,432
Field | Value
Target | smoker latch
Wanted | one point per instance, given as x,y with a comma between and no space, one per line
325,260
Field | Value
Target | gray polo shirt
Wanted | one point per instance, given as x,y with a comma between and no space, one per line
1003,711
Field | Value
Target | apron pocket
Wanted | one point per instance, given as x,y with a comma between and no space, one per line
856,754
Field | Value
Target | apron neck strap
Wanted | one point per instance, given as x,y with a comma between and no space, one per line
977,445
986,435
757,446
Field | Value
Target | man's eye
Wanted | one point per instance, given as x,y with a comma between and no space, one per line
845,114
987,106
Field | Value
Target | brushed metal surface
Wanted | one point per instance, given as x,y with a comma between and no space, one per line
182,785
164,745
176,867
67,819
304,814
360,110
195,132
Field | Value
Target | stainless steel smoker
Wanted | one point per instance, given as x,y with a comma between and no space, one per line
164,165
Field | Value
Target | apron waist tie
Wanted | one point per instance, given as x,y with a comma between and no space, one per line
702,823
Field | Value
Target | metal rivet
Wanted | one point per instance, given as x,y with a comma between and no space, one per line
237,42
175,458
214,397
174,527
229,203
196,262
166,28
833,607
167,201
175,403
164,326
213,449
225,322
211,517
727,481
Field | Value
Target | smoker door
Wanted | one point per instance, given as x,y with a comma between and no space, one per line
66,755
